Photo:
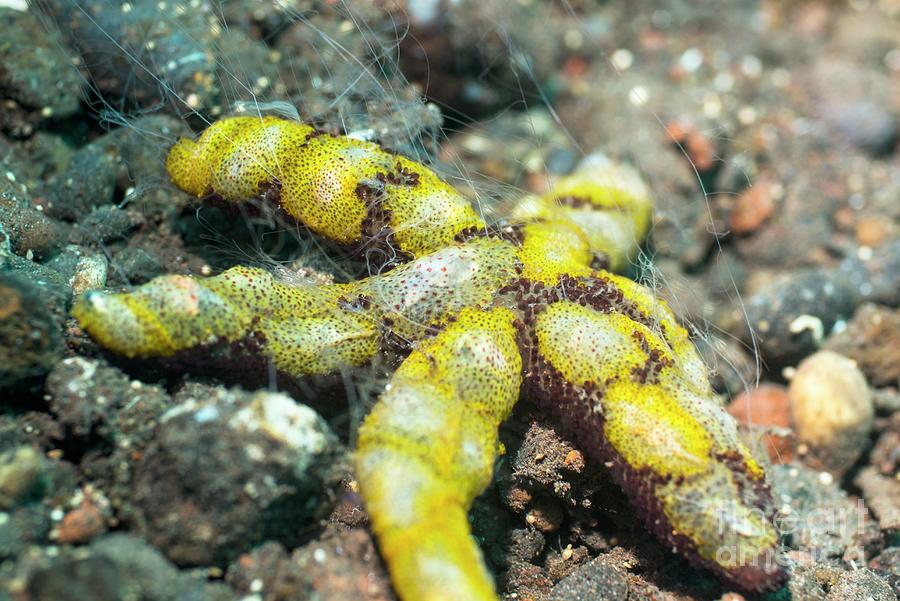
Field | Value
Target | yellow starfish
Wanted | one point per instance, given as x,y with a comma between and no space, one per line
486,311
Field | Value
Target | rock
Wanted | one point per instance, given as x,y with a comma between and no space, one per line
228,470
886,454
340,566
460,41
145,568
30,340
36,71
22,476
855,102
872,339
28,230
861,585
887,565
873,273
66,262
545,514
91,398
528,579
142,175
832,409
181,55
22,527
125,161
551,484
53,288
90,273
77,579
872,230
887,400
730,364
135,266
593,580
815,516
698,147
518,148
560,563
791,316
108,419
880,284
113,568
399,120
526,544
753,207
105,224
803,585
767,409
89,181
81,524
797,231
882,495
549,460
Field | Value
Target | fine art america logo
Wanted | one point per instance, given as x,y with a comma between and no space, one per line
816,533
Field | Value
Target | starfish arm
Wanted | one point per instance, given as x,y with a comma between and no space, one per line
428,448
347,190
303,330
605,201
613,365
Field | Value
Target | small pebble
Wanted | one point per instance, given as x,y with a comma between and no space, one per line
81,524
789,316
90,273
752,208
21,476
832,409
872,230
767,407
546,515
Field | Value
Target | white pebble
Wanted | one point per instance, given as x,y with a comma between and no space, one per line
832,408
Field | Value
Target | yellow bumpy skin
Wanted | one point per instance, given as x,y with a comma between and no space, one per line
417,298
606,201
428,448
303,330
613,364
349,191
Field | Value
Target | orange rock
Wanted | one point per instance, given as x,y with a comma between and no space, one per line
575,67
767,406
81,524
697,146
752,208
246,561
575,460
872,230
